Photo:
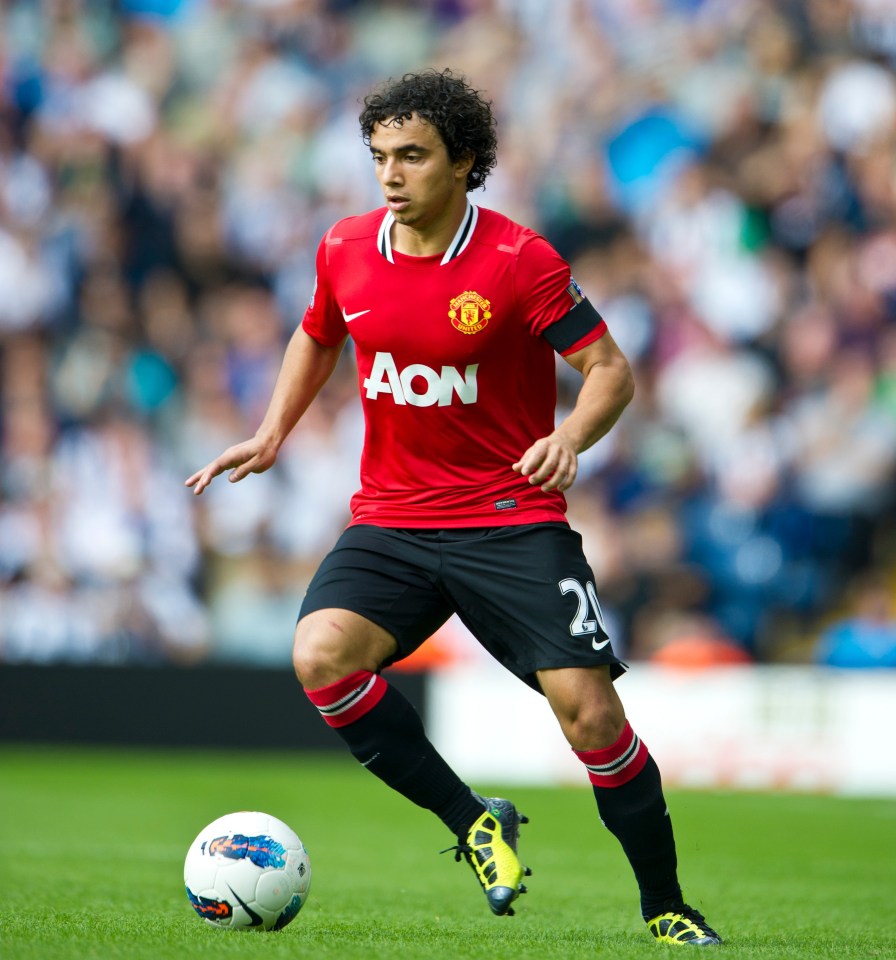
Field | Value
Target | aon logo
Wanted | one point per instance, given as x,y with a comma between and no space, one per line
419,385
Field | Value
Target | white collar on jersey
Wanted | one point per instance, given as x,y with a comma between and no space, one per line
455,248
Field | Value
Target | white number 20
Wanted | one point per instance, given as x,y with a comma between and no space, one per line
587,595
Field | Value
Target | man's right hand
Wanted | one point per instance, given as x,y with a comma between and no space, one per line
250,456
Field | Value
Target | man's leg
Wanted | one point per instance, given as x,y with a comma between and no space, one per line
336,656
629,794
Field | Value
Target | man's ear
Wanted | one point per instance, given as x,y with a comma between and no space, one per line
463,166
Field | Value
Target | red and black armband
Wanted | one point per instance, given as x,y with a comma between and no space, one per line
581,326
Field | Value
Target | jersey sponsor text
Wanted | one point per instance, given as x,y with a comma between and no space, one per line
419,385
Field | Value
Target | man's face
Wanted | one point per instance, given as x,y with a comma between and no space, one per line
419,181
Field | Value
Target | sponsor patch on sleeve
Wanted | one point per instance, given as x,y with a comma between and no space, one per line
575,291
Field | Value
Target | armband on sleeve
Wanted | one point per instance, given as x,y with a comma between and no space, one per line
572,328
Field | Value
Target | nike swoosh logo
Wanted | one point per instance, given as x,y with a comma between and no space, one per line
348,317
601,645
253,916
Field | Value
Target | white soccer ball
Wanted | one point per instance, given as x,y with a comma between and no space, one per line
247,871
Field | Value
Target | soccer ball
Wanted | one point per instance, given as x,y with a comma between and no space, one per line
247,871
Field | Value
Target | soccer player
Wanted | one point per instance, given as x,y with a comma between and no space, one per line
456,313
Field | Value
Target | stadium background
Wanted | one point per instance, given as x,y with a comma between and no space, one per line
720,174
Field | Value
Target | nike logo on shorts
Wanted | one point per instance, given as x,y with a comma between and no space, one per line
601,645
348,317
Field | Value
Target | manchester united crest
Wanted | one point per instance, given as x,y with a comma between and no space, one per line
469,312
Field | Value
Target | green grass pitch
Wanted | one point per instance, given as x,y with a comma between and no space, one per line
92,845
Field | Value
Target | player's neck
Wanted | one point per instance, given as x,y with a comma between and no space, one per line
432,237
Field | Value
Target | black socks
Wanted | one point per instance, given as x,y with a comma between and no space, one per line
390,741
636,814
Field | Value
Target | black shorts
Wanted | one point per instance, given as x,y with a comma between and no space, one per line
525,592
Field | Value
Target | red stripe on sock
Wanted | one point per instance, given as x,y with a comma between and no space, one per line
348,699
613,766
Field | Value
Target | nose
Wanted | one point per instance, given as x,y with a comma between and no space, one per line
390,171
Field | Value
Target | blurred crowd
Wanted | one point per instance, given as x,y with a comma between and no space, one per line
721,174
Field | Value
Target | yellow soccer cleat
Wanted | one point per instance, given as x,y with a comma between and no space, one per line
490,849
683,925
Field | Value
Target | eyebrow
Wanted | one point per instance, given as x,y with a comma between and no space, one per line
407,148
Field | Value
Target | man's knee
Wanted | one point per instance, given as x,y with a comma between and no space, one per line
331,644
592,723
598,725
316,663
586,705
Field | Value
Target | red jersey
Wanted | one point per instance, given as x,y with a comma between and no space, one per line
456,379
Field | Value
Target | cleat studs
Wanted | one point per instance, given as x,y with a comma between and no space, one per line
523,888
523,818
527,871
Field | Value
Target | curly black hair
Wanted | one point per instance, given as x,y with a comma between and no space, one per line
462,117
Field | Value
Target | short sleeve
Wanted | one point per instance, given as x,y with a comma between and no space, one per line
322,320
548,295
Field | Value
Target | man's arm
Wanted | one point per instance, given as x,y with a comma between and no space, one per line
607,389
306,367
